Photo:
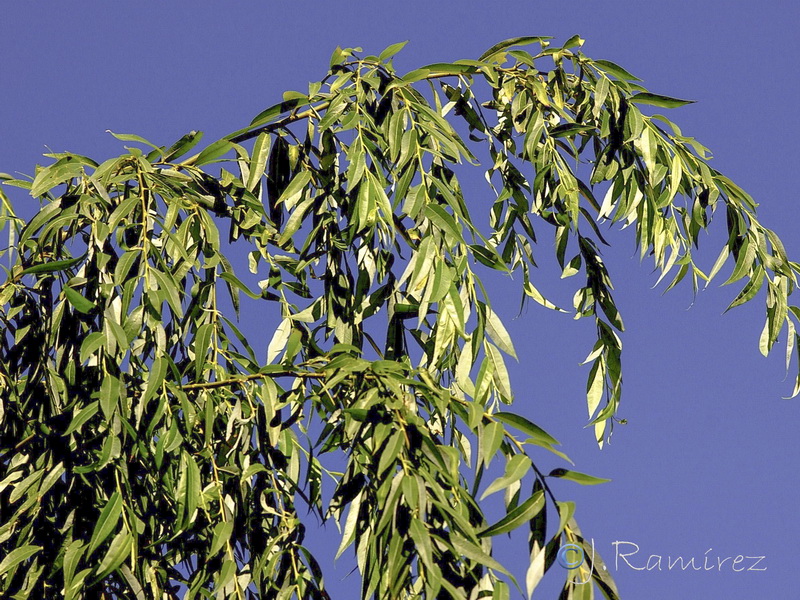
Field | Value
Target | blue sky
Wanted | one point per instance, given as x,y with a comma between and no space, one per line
709,458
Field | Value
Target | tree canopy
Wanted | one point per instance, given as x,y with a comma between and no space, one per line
147,450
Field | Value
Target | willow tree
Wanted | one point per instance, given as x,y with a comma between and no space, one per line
147,450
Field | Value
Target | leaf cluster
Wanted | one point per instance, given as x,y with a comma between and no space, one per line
147,449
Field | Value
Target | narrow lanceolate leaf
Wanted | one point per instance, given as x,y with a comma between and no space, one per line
52,266
525,426
581,478
183,145
109,395
135,585
531,291
213,152
517,517
294,189
498,333
505,44
279,340
600,573
77,300
54,475
751,288
595,386
475,553
350,525
422,541
158,372
202,341
490,440
16,556
500,376
236,282
118,550
516,468
72,558
107,521
222,533
658,100
258,161
81,416
391,51
535,570
615,70
188,490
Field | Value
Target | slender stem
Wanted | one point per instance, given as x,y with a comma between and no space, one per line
253,376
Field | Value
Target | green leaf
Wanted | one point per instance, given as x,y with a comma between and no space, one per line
183,145
258,161
536,568
505,44
25,485
295,189
391,51
516,468
517,517
444,221
188,490
615,70
202,341
124,266
526,427
747,255
106,522
570,130
270,113
658,100
448,68
595,386
279,340
499,371
129,137
213,152
222,533
581,478
81,416
134,584
59,172
16,556
751,288
566,510
77,300
531,291
574,42
422,542
109,395
476,554
118,551
491,437
53,266
235,281
54,475
72,557
90,344
350,524
498,333
158,371
415,75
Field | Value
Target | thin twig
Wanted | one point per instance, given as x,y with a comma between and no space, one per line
226,382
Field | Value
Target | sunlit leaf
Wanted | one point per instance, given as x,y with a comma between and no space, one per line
581,478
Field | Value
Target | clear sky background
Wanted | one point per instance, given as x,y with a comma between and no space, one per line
709,458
